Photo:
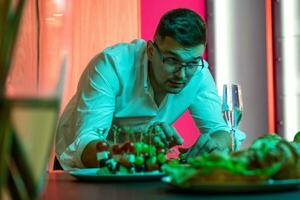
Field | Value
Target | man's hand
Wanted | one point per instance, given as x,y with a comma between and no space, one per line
164,135
217,141
88,157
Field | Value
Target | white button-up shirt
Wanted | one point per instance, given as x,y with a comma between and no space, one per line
115,89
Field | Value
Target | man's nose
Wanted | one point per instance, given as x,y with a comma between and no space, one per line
181,73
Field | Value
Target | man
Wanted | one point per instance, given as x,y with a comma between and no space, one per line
144,85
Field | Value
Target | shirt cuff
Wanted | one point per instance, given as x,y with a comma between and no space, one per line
239,137
218,128
70,159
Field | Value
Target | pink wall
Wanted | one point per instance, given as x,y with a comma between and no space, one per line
151,11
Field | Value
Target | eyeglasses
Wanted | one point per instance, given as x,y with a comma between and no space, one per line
175,65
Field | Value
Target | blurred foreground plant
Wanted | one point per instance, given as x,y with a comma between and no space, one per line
10,17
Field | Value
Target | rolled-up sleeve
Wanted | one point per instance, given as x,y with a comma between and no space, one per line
206,107
89,112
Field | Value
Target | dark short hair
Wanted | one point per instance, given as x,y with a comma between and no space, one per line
183,25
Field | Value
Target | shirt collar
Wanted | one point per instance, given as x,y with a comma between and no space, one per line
145,65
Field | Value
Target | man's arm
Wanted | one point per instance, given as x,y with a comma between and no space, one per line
207,114
217,141
91,110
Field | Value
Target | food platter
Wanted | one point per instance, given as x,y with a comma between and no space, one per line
266,186
92,174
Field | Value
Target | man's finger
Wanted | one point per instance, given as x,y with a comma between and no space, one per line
157,141
168,131
196,149
172,134
159,132
210,146
192,152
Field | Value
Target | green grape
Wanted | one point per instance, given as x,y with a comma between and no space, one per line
162,158
138,147
151,160
139,160
174,162
181,156
152,150
145,148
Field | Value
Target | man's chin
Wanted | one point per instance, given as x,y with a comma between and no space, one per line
174,90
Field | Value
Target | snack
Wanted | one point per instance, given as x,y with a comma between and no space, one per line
218,168
269,157
273,148
129,157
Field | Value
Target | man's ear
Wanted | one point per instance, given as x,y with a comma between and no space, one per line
150,50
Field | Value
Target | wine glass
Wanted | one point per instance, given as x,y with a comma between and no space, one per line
232,108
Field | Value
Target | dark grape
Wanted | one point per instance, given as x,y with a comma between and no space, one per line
102,163
112,165
140,168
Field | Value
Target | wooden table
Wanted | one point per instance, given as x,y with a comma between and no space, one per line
64,186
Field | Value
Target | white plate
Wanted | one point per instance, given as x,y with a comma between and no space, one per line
91,174
270,185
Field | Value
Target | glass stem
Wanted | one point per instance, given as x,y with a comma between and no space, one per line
233,145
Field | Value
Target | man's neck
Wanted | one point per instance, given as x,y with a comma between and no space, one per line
158,98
